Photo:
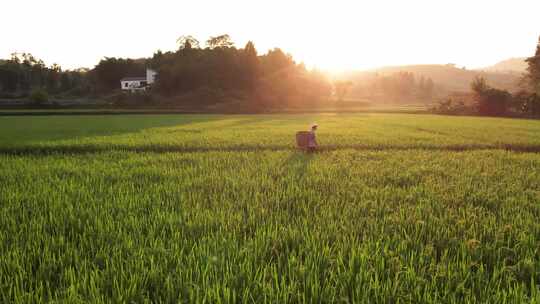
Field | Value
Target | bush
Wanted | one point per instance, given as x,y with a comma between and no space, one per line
39,96
490,101
527,103
450,106
201,97
493,102
131,99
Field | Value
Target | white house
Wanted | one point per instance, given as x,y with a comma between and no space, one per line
138,83
150,76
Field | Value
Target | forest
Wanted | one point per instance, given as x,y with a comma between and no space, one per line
216,73
191,75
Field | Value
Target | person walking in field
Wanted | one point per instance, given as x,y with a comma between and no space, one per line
312,141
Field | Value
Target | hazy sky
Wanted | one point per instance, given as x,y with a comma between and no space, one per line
327,34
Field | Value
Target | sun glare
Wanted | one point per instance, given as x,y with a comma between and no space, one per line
332,35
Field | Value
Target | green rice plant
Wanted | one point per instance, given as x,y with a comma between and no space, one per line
223,209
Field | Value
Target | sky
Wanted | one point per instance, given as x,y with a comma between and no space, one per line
330,35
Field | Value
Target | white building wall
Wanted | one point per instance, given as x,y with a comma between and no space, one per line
131,85
150,76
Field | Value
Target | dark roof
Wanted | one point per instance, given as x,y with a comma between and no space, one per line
133,79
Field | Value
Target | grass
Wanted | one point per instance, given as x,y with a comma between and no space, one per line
396,208
219,132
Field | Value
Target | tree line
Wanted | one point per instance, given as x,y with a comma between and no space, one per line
24,75
220,72
395,87
190,76
487,100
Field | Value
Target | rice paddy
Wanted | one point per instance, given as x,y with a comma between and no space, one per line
394,208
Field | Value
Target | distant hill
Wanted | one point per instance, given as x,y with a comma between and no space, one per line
448,78
517,65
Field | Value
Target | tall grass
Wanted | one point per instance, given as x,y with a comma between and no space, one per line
271,225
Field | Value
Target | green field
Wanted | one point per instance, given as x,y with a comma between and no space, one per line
177,208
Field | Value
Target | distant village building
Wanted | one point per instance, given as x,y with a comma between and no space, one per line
138,83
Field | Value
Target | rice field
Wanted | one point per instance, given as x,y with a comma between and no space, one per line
394,208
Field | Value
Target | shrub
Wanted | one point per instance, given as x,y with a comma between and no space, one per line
527,103
201,97
39,96
131,99
490,101
493,102
451,106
